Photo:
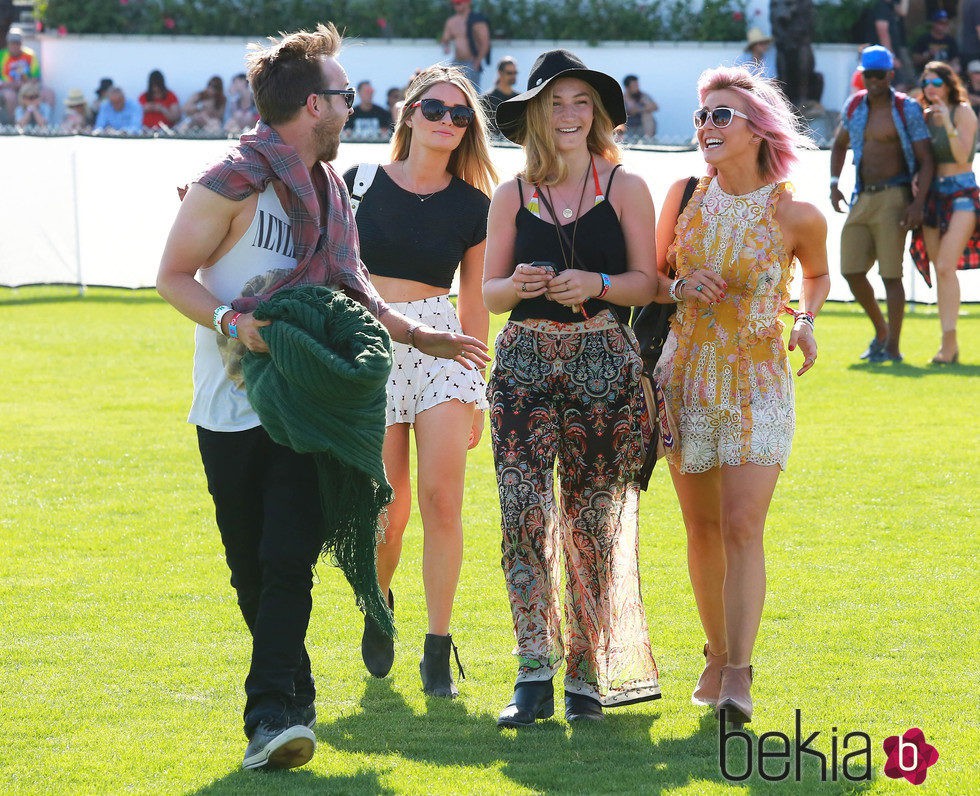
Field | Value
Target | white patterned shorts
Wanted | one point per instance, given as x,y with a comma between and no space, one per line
418,381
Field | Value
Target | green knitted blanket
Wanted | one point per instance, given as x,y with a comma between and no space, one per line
321,390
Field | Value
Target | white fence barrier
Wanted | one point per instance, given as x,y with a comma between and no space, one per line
91,211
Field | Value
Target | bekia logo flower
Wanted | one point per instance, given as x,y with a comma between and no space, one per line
909,756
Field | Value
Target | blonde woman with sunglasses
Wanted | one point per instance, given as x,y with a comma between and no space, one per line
422,220
728,418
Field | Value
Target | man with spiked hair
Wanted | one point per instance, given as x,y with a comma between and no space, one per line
273,215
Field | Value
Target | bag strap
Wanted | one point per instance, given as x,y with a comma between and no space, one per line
366,172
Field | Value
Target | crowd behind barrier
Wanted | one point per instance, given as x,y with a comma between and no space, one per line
107,203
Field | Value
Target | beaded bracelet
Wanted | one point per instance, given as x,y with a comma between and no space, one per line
219,313
804,316
233,326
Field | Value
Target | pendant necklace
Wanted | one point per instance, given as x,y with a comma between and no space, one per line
568,212
420,197
569,259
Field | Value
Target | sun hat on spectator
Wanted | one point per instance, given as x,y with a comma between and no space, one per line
973,66
756,36
939,16
15,34
75,97
549,66
104,85
877,57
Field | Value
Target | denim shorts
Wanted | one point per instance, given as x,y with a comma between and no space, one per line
945,186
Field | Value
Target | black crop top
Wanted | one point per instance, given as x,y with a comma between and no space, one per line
599,243
424,241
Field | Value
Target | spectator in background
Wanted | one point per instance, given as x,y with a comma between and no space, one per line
117,114
936,45
242,113
970,31
395,100
368,121
503,89
31,112
468,33
640,108
204,112
758,56
973,85
19,66
161,108
77,117
889,28
100,93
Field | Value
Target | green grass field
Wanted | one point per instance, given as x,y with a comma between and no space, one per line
122,650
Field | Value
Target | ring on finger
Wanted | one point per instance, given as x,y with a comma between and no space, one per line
699,288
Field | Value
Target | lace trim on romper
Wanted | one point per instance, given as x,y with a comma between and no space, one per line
724,371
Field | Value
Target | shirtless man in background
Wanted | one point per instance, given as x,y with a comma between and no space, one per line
468,32
888,134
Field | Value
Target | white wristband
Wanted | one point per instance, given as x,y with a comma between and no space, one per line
219,313
834,181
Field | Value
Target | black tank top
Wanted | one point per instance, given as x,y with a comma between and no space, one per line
599,243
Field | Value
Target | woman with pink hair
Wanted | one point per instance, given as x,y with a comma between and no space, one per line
727,415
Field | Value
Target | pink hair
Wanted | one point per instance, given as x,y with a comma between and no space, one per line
770,116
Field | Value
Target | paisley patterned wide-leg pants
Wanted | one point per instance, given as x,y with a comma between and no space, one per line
570,393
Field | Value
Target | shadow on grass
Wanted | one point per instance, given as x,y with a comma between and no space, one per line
298,781
618,755
909,371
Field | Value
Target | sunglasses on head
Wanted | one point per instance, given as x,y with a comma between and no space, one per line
434,110
931,81
720,116
347,93
875,74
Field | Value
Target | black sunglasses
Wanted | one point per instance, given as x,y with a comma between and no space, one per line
434,110
720,117
875,74
931,81
347,93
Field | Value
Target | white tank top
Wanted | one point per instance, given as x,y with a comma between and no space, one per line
267,245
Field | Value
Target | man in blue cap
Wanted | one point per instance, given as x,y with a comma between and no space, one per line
890,140
936,44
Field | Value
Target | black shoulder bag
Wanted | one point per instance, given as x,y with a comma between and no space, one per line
651,325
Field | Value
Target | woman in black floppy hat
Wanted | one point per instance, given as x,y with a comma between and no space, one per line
565,385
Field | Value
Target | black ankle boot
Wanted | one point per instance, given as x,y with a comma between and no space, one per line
377,650
532,701
582,708
437,680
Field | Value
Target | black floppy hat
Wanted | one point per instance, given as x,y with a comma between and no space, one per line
554,64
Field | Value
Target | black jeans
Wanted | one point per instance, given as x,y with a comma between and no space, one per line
267,506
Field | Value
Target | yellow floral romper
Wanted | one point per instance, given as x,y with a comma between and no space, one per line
726,385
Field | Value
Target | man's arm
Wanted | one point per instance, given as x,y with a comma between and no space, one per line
838,154
481,38
923,156
203,222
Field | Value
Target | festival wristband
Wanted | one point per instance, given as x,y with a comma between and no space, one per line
233,326
219,313
605,285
